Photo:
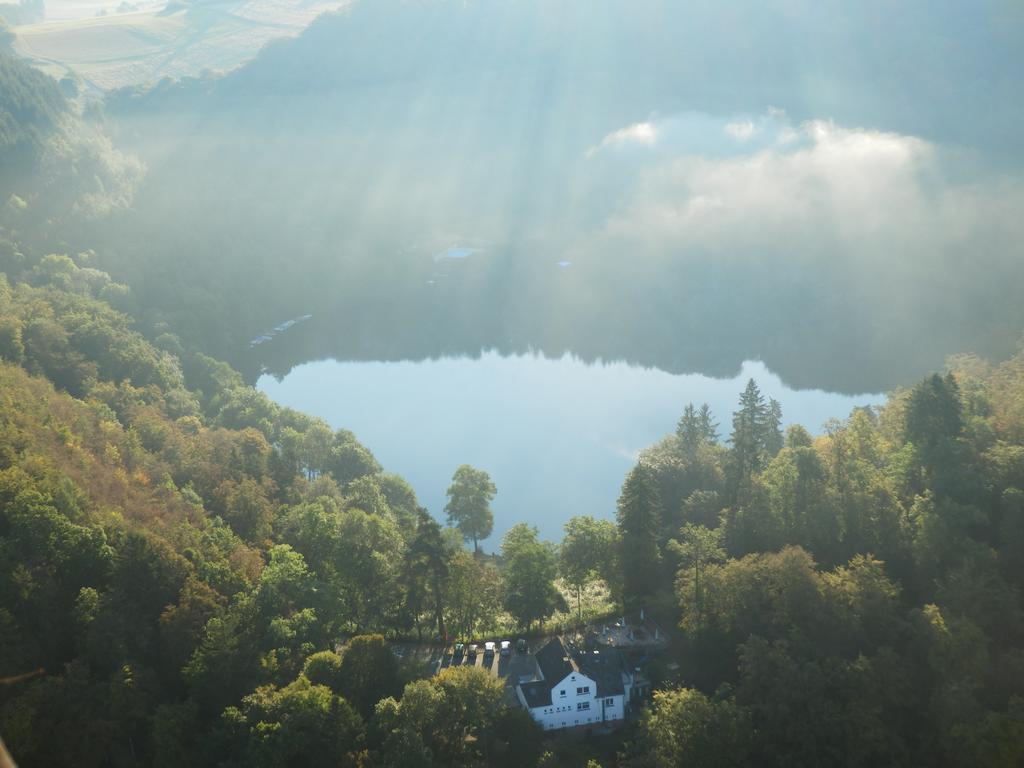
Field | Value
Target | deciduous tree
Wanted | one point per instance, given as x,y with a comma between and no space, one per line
530,567
469,504
588,547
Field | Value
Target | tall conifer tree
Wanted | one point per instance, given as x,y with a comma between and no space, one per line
773,439
639,516
696,428
747,437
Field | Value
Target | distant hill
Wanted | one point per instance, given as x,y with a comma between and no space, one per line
920,73
114,44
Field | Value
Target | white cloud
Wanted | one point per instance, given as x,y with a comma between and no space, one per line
884,203
638,133
837,173
787,136
741,130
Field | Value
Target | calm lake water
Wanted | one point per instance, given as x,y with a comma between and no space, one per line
557,436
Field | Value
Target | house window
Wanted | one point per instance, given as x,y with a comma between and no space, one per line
582,705
561,693
609,702
583,690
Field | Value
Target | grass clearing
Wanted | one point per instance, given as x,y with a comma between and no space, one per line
139,46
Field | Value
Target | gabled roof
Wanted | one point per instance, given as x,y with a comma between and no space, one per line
537,693
554,662
605,669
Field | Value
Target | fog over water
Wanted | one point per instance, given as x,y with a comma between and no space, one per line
677,187
726,181
557,436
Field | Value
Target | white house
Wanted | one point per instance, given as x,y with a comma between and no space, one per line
577,688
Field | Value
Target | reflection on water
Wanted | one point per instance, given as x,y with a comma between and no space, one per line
557,436
436,191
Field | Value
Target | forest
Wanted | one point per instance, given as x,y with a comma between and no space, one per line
192,574
180,558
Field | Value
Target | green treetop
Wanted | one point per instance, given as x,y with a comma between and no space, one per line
587,549
469,504
531,566
696,427
639,516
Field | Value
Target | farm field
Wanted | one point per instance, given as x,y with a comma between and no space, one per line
112,44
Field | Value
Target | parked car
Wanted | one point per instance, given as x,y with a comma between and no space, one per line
521,646
506,647
459,652
472,650
488,650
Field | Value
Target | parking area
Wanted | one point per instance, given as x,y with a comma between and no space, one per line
427,654
513,668
516,667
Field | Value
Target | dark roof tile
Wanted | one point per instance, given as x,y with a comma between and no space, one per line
553,660
537,694
604,668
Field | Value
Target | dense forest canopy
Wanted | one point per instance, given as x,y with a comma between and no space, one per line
192,574
31,106
179,555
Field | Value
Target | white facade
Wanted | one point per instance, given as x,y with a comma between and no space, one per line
574,702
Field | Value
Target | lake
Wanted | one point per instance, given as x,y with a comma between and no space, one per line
556,435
